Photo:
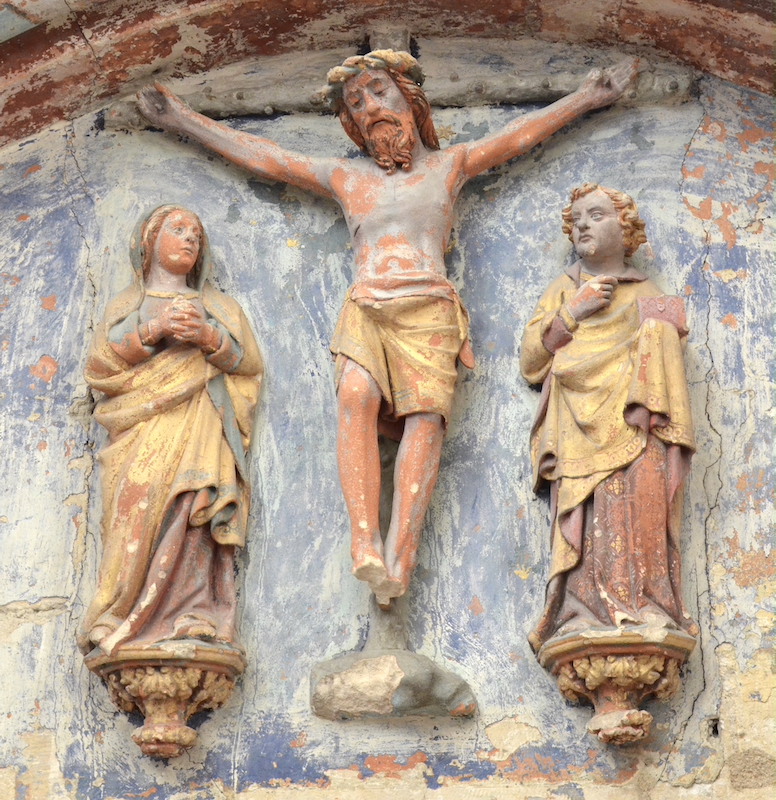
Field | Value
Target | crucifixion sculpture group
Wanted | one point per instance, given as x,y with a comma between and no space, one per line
401,333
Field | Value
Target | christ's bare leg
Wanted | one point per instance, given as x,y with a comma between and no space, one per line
359,401
416,471
417,468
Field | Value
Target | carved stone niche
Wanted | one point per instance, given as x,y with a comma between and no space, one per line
167,684
616,671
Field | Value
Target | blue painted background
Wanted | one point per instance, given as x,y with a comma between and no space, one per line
70,200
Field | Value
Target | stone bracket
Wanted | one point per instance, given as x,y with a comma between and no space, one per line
616,671
168,683
386,679
387,683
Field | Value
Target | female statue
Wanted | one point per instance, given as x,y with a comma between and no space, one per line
180,372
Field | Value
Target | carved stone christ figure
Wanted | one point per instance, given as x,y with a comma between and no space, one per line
613,438
402,328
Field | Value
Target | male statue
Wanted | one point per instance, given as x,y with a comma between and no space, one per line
403,327
613,439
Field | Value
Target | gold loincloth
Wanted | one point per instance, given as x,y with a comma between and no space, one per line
409,345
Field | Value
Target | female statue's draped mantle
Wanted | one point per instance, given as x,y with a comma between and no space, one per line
174,485
613,437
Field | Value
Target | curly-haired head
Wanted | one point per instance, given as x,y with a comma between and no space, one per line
633,235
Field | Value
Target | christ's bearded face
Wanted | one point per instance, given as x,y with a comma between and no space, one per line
383,118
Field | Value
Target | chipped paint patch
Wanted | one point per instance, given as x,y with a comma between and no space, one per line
702,211
22,612
730,321
753,134
714,128
727,275
391,767
46,368
508,735
719,213
696,173
523,573
756,568
300,741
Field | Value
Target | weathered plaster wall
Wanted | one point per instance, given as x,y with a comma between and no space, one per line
703,175
89,50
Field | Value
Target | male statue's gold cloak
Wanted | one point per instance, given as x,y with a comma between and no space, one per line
613,437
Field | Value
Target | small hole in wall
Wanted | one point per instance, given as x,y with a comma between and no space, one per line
713,723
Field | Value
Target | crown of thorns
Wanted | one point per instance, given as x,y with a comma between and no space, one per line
394,60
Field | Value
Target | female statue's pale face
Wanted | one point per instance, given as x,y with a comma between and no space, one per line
177,245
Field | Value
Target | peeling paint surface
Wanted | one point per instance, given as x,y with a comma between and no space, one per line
92,51
701,175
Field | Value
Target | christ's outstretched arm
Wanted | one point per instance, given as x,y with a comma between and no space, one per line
262,157
600,88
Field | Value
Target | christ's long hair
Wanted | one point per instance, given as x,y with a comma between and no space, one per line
393,144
